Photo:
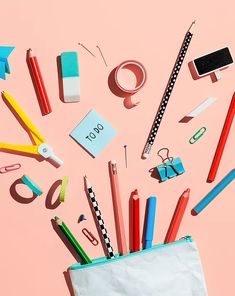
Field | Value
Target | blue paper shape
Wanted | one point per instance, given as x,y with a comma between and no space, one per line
170,169
93,133
5,51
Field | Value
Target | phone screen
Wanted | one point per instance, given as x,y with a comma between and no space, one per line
213,61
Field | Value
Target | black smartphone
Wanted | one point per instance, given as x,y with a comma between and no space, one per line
213,61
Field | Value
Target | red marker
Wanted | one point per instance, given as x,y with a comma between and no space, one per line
222,141
177,217
136,221
37,76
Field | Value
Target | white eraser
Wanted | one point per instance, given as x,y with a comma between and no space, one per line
70,77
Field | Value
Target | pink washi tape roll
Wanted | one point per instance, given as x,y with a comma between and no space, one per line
120,85
139,72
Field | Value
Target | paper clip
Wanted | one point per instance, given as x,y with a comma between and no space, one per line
197,135
90,237
10,168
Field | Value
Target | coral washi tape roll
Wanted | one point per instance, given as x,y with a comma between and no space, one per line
139,71
63,188
34,187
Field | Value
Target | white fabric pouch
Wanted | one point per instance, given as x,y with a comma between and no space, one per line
164,270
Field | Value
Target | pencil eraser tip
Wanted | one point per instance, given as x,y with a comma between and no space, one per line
145,155
194,213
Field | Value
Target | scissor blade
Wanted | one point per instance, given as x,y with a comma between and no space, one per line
38,138
31,149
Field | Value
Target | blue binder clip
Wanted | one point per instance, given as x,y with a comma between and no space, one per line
170,167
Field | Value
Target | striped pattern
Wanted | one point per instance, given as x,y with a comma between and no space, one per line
101,223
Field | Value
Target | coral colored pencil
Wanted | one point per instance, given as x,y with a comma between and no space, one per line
136,221
117,207
222,141
177,217
37,76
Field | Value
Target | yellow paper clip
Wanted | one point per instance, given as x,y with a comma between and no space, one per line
39,147
197,135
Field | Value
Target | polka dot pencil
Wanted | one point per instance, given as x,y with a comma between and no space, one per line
168,91
99,219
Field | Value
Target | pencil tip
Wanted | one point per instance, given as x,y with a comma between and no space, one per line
187,191
191,27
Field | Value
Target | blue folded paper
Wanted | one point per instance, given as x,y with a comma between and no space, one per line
5,51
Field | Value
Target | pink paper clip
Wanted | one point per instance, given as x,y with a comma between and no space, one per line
10,168
90,237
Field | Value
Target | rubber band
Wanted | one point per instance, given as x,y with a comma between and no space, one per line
33,186
63,188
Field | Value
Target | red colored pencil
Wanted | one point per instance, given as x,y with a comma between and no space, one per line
177,217
37,76
222,141
136,221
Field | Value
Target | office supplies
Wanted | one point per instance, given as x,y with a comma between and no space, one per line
9,168
81,218
93,133
213,193
39,147
170,167
82,45
43,99
213,63
151,204
177,217
99,219
123,87
222,141
102,56
125,146
70,77
117,208
199,109
72,240
32,186
136,220
63,188
5,51
171,270
197,135
90,237
168,91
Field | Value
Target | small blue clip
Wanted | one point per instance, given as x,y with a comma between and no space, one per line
170,167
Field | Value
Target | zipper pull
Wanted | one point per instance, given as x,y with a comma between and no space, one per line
187,238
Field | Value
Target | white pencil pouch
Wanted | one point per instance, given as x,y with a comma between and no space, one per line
164,270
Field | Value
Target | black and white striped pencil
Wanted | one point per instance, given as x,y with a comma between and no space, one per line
99,218
168,91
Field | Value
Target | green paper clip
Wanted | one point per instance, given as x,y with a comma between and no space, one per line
197,135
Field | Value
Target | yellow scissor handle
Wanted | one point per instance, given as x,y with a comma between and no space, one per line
38,138
31,149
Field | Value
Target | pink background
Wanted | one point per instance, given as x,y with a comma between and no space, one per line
33,257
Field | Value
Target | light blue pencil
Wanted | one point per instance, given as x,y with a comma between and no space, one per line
214,192
150,221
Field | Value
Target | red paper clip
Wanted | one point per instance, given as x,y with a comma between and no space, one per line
90,236
10,168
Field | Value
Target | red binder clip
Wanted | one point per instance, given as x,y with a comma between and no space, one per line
90,237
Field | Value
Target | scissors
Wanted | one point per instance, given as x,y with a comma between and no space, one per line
39,147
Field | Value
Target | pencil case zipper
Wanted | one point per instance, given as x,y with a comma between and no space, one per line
104,260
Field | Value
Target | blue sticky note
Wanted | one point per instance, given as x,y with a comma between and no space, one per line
93,133
5,51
